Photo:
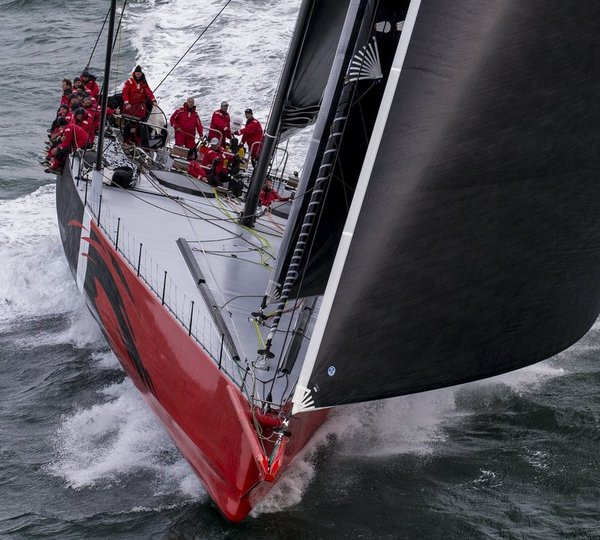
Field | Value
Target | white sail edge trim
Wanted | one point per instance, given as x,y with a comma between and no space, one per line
301,401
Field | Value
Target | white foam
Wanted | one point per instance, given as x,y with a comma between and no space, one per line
521,380
406,425
34,276
103,444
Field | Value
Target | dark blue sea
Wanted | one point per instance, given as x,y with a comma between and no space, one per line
80,454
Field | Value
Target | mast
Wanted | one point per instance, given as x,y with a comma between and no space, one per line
105,84
248,217
331,95
344,90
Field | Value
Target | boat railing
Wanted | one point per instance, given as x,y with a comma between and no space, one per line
198,326
278,167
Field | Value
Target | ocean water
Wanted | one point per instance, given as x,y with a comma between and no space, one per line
81,455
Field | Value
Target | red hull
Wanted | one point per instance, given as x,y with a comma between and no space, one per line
202,409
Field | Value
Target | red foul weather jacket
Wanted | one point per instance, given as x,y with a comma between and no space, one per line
252,134
209,156
136,93
196,170
92,88
220,126
75,136
267,197
186,122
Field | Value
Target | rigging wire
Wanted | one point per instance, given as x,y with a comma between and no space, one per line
192,45
98,38
117,33
118,36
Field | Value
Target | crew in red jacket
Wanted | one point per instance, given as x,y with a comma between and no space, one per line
213,163
89,83
186,122
61,113
93,110
135,94
268,195
75,135
252,134
220,124
83,119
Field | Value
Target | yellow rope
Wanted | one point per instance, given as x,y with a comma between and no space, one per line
261,341
265,244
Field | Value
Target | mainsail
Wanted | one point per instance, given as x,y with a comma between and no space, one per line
472,246
313,64
365,52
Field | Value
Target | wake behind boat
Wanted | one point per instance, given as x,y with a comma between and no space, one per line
442,231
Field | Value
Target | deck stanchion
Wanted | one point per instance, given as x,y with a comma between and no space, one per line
117,238
139,260
164,289
191,317
221,353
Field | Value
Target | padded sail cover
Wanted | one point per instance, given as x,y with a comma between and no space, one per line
314,64
477,248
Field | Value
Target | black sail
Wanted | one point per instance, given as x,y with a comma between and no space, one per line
476,249
313,65
372,30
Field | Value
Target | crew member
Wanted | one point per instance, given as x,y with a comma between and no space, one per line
186,123
75,135
89,83
213,164
220,124
136,93
252,134
268,195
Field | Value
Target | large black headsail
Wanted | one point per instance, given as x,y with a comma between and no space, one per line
476,247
